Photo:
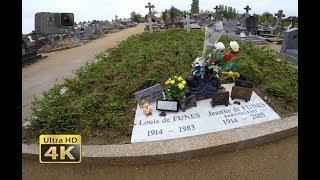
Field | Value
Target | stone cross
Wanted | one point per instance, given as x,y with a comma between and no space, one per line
279,15
116,17
150,25
247,8
217,14
150,7
188,22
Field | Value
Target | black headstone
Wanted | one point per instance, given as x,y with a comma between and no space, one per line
251,24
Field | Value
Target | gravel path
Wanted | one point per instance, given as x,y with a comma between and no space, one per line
41,76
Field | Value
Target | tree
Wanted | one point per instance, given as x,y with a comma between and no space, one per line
266,17
195,7
228,12
174,13
135,17
293,19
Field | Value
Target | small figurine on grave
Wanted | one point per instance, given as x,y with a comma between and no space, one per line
146,107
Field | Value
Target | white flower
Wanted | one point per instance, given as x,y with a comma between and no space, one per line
234,46
219,46
216,68
63,90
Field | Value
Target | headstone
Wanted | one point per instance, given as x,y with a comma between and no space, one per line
202,119
289,46
251,24
151,94
188,22
230,26
150,25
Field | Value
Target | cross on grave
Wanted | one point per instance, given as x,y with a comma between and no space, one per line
150,7
279,15
247,8
116,17
217,14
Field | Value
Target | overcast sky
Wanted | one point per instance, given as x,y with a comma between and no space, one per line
87,10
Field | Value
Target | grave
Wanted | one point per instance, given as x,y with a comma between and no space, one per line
289,46
201,119
217,14
278,29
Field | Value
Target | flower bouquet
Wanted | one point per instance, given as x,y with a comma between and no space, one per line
223,63
176,89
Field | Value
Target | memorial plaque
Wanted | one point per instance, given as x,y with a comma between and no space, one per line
201,119
151,94
242,83
163,105
189,102
220,98
241,93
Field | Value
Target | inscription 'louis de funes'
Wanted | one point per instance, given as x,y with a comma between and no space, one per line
182,117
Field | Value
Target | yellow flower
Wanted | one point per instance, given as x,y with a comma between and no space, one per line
180,78
230,74
236,74
175,77
181,86
172,81
184,82
167,82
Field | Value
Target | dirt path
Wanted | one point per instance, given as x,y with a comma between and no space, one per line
278,160
42,75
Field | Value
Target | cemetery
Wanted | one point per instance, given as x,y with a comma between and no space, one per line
195,79
75,36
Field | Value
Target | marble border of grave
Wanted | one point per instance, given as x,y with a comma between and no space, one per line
176,150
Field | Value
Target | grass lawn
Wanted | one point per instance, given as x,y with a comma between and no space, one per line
99,103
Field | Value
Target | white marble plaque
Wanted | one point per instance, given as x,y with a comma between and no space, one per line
201,119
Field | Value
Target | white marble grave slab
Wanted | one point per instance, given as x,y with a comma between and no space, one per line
201,119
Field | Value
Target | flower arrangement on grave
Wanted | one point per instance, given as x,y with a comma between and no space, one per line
176,88
223,62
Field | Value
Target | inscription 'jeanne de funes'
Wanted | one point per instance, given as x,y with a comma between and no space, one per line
230,112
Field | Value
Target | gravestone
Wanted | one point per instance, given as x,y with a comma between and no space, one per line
151,94
251,24
150,25
230,26
188,22
201,119
88,31
289,46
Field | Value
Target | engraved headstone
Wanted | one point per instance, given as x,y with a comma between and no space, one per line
151,94
289,47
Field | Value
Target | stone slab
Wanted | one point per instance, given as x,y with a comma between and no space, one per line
199,120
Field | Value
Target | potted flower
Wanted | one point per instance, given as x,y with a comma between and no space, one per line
176,89
223,62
